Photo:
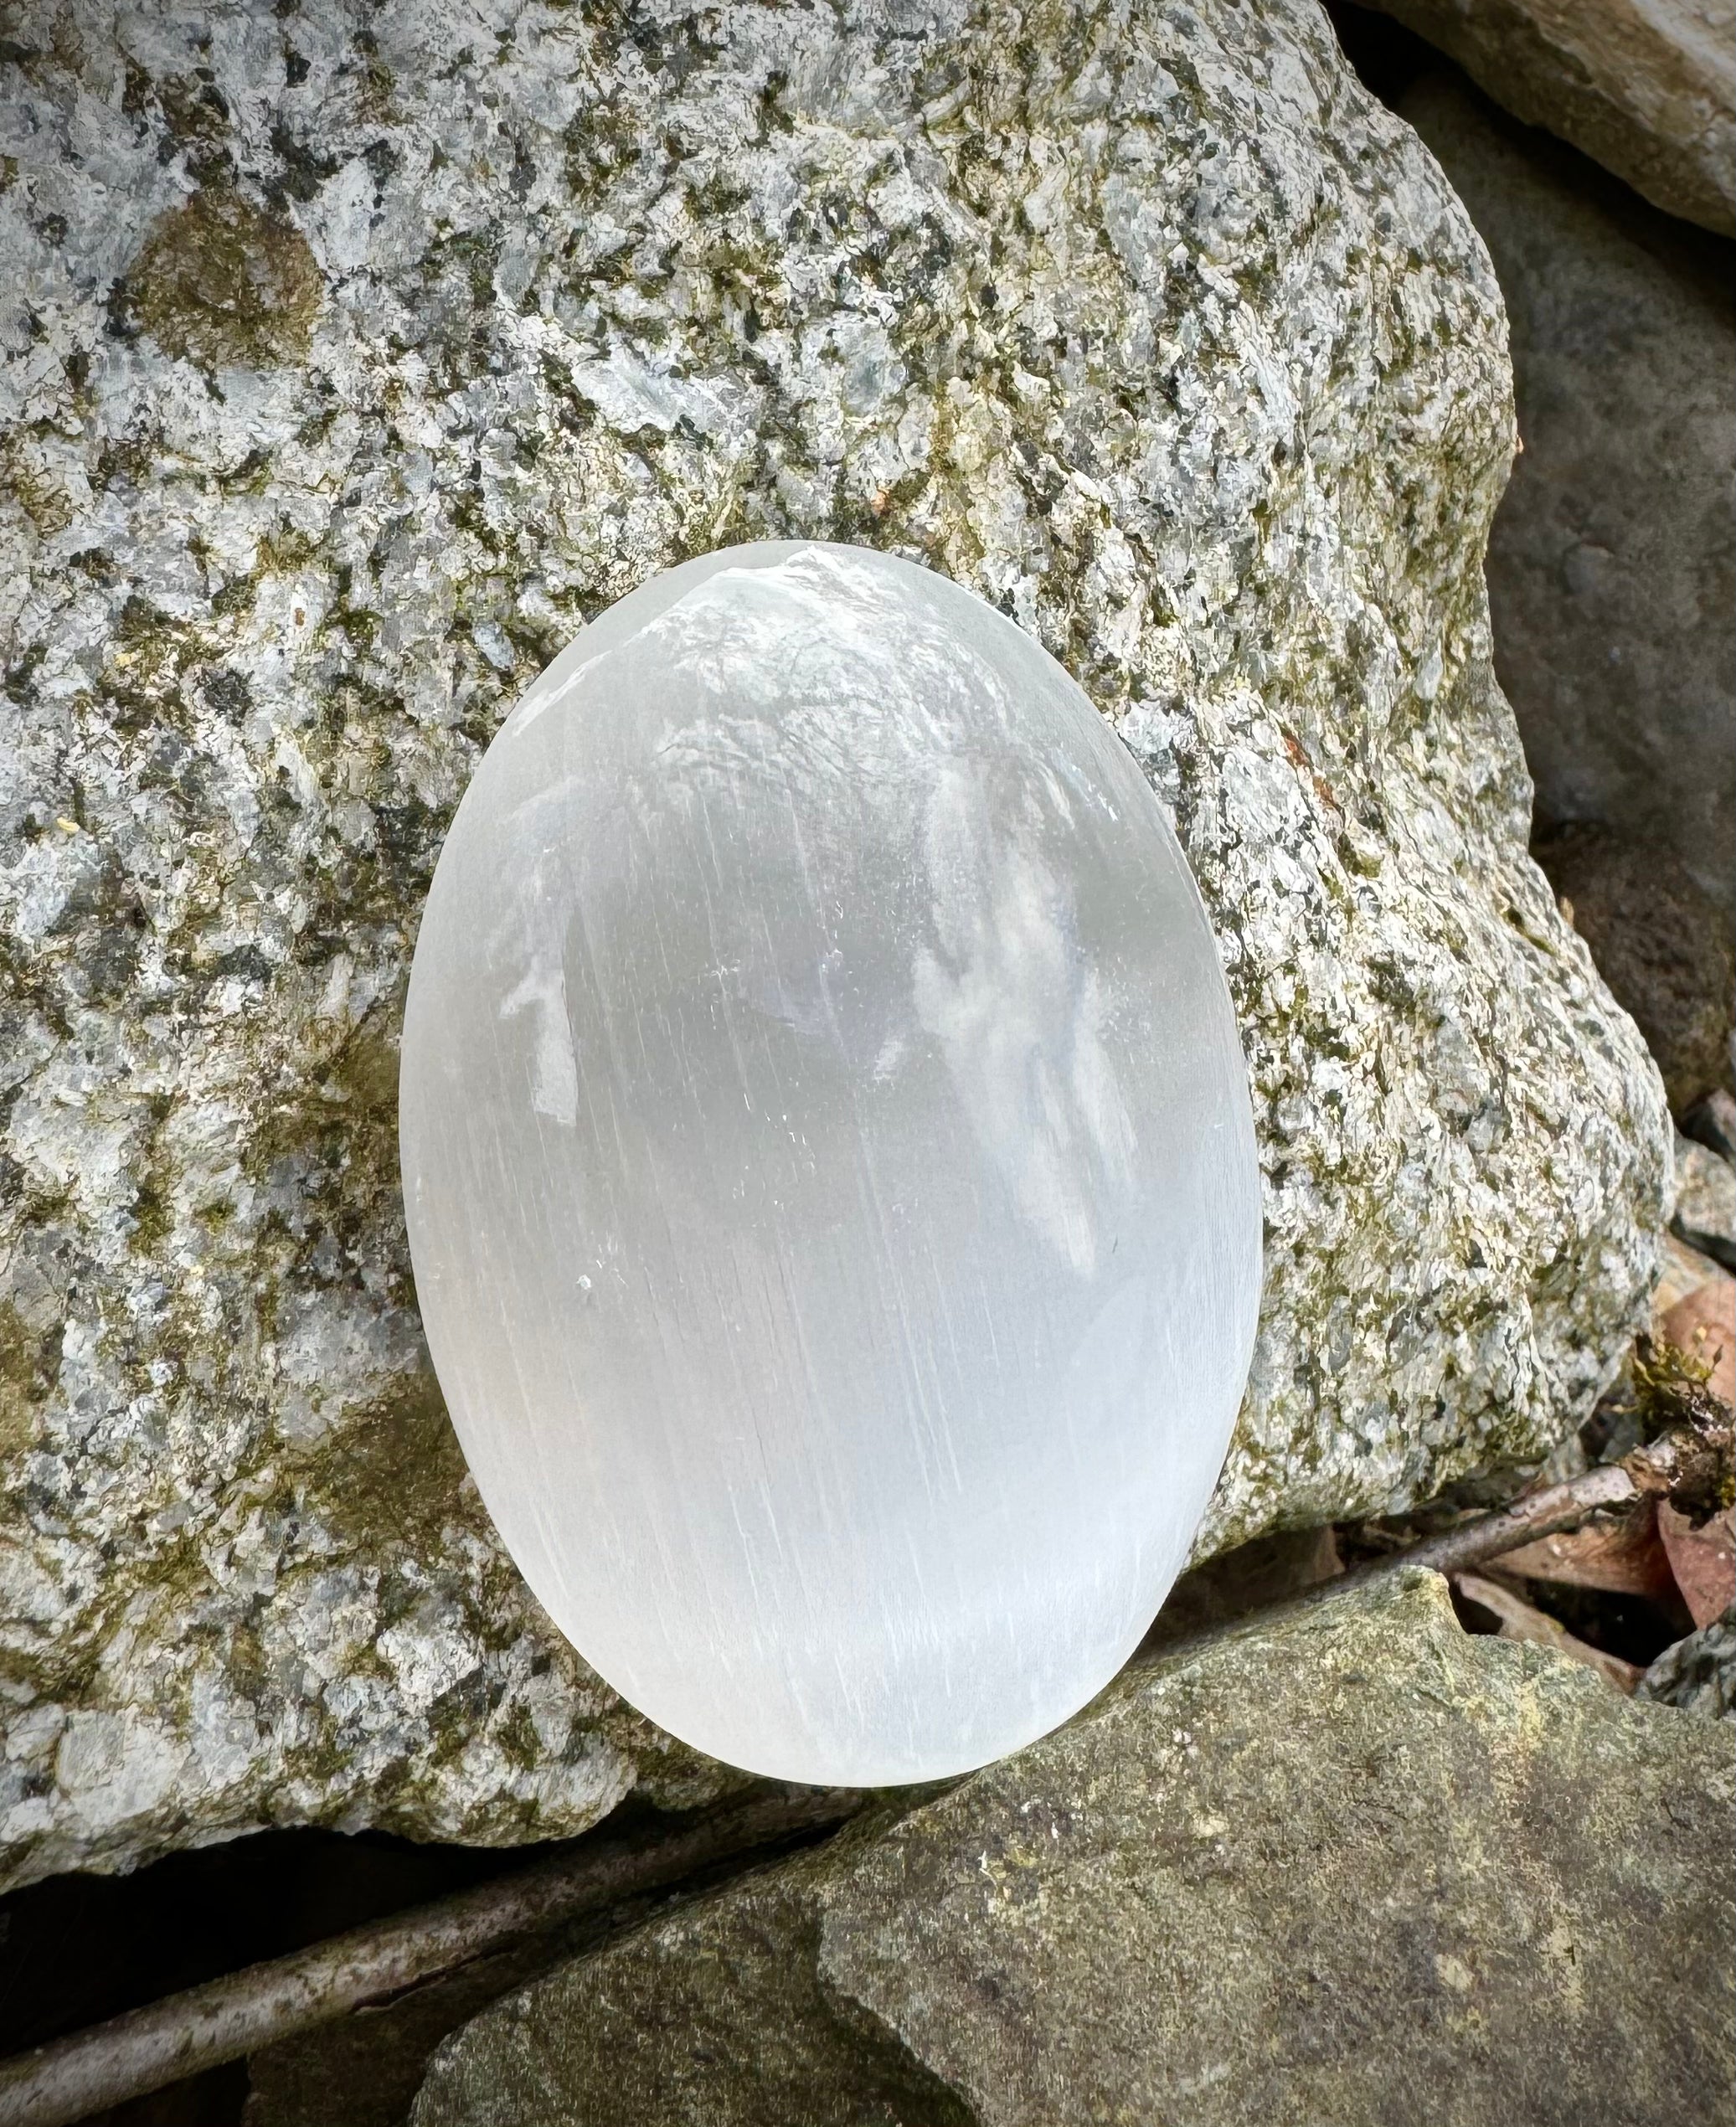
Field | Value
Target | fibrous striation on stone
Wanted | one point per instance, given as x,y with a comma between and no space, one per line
828,1166
354,357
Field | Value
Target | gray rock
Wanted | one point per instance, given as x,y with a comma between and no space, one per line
1305,1871
1645,87
1705,1215
1698,1674
1663,946
354,357
1686,1271
1712,1122
1612,565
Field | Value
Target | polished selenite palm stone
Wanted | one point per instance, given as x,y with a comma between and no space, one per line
829,1166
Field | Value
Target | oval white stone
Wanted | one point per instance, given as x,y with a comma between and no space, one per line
829,1167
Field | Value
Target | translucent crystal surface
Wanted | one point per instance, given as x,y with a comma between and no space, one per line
829,1166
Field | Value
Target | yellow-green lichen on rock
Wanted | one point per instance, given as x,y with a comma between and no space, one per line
221,282
350,359
1349,1865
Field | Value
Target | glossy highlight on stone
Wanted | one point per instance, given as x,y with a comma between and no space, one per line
829,1166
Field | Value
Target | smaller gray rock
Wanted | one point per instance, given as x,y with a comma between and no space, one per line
1612,562
1698,1674
1301,1872
1659,943
1712,1122
1648,89
1686,1271
1705,1216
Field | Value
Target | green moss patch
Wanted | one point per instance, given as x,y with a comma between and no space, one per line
223,285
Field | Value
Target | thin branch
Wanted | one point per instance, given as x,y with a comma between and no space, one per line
1689,1464
1540,1514
151,2047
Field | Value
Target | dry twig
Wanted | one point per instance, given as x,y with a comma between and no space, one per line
167,2041
1689,1464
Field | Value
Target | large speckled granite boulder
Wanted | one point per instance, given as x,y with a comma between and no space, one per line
352,358
1350,1866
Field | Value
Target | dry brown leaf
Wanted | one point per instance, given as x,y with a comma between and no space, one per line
1625,1556
1703,1326
1703,1559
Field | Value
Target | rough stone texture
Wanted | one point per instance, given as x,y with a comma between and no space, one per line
354,357
1705,1214
1612,564
1299,1874
1659,942
1646,87
1686,1269
1698,1674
